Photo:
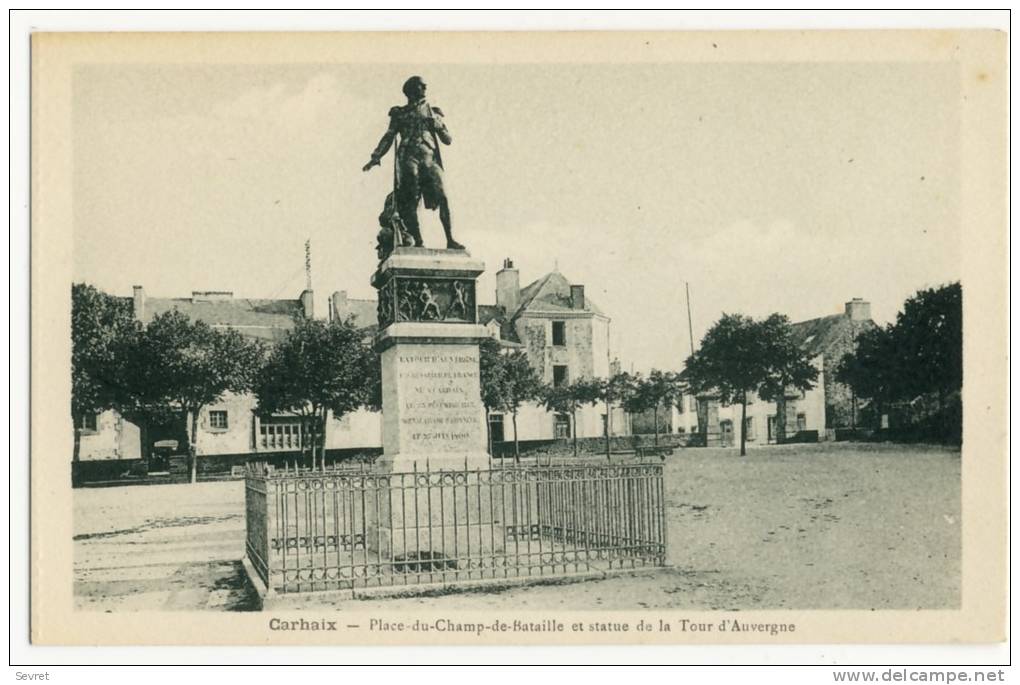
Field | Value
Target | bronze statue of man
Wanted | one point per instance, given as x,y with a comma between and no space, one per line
418,170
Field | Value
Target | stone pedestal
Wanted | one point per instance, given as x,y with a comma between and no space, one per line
446,515
428,339
433,419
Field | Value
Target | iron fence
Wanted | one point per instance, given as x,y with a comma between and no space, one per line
351,528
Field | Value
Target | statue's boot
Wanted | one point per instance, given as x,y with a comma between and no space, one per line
415,234
452,244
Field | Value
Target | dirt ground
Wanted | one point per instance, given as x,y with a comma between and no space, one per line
836,526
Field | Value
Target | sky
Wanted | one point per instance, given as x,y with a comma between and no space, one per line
786,188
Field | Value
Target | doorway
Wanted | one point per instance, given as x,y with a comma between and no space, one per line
726,433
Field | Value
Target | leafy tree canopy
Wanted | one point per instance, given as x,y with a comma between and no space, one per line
102,328
921,353
189,364
318,365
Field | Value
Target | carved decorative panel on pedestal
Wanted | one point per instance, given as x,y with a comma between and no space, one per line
429,299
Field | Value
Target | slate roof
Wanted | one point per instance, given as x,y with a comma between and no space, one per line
365,312
817,336
551,294
488,312
262,319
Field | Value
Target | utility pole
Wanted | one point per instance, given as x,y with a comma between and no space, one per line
690,326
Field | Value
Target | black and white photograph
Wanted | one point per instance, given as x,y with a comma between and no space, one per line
535,338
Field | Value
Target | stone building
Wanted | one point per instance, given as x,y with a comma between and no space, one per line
566,337
831,338
817,412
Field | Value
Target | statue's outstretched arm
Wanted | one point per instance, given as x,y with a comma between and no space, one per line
384,143
383,147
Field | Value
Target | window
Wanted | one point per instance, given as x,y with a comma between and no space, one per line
680,430
559,376
90,423
605,425
801,422
749,428
680,404
772,428
280,436
559,333
561,426
218,419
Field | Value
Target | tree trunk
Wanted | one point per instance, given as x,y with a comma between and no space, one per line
488,431
655,418
743,426
192,451
325,423
308,445
143,438
517,447
781,418
608,429
76,453
573,428
853,410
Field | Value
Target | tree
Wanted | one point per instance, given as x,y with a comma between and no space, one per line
615,389
318,368
739,355
508,381
787,367
659,390
920,355
490,379
729,362
568,398
184,365
101,329
929,335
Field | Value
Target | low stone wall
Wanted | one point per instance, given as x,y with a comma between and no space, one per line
108,472
620,443
220,464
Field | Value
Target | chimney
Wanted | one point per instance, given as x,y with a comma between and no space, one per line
858,309
138,303
577,297
508,287
307,304
338,305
